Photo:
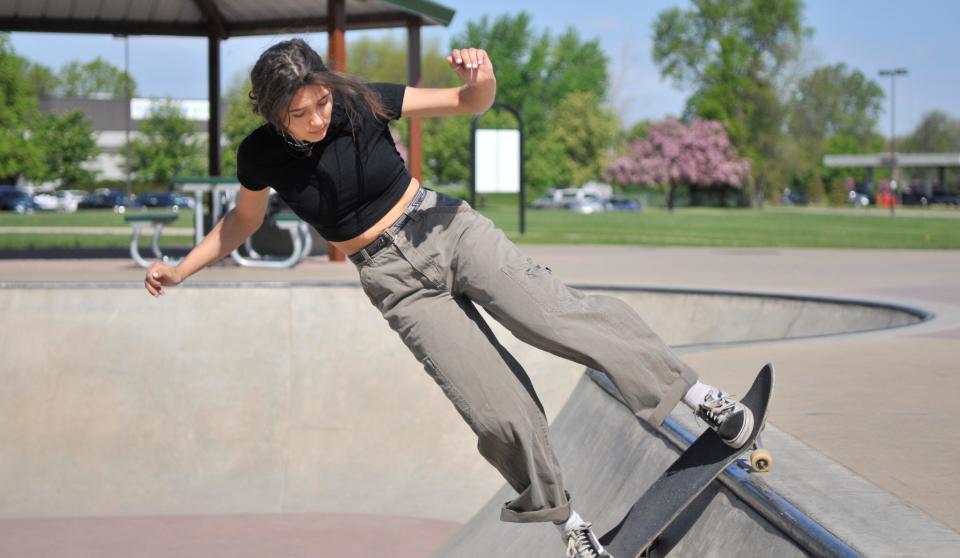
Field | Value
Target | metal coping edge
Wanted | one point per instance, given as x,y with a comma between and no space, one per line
920,314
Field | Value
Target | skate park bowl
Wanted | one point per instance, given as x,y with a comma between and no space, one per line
295,397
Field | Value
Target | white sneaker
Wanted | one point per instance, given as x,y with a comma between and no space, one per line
729,418
582,543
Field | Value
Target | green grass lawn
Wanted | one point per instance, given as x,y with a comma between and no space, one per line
713,227
770,227
84,218
86,241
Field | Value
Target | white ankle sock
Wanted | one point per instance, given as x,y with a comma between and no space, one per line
571,523
696,394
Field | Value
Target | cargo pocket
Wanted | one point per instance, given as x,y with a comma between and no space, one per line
545,290
387,278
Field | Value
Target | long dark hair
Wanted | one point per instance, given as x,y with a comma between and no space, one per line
289,65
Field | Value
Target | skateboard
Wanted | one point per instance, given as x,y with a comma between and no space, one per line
688,476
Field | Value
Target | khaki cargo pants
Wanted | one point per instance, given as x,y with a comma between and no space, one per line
449,258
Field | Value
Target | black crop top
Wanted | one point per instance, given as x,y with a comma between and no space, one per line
350,180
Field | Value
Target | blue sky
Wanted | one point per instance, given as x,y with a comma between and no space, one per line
865,34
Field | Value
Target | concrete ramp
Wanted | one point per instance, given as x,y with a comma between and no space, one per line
607,469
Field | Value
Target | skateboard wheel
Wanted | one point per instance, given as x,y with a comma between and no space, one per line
761,460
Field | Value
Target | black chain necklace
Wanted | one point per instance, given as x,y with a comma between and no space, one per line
299,147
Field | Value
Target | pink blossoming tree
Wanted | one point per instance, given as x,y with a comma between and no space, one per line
699,155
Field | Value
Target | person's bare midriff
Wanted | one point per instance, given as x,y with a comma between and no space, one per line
356,243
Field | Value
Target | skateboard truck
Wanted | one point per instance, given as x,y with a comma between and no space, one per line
761,460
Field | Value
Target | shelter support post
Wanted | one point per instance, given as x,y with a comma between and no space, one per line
413,79
213,122
337,60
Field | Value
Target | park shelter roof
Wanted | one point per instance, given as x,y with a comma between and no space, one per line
883,160
208,18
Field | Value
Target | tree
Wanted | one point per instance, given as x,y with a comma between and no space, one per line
936,133
581,135
385,59
18,107
238,122
834,178
535,73
834,100
67,142
44,81
637,131
673,154
446,150
97,77
816,192
732,53
832,109
168,147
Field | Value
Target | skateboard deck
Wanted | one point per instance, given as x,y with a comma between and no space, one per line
687,477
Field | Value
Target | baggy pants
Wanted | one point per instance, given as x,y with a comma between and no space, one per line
449,258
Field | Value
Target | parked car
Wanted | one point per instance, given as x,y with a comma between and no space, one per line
916,195
105,199
547,201
15,199
793,198
620,203
59,200
946,199
570,199
585,206
163,199
859,200
47,201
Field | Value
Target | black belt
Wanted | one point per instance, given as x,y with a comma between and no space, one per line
387,237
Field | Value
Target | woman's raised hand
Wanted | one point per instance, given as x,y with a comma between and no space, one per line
471,64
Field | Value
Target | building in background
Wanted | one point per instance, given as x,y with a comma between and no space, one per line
108,116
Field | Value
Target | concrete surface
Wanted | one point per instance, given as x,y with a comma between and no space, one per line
605,470
234,536
838,396
257,399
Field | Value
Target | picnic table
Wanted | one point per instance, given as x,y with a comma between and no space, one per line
223,192
157,220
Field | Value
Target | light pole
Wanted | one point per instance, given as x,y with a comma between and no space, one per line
126,90
126,112
893,73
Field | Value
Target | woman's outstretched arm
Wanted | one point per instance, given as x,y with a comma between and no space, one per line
235,227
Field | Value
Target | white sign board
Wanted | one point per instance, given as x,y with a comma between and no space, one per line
191,109
497,160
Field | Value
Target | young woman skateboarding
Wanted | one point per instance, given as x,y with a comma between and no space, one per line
426,260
